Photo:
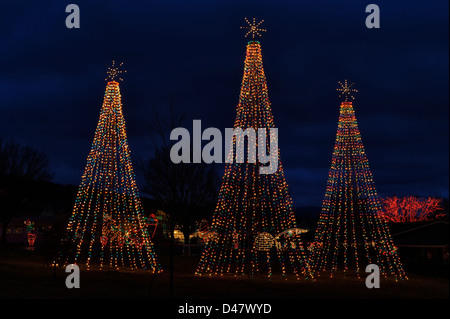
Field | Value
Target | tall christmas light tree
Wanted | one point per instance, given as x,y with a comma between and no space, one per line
107,226
350,233
253,231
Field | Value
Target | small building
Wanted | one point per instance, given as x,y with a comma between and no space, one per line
423,246
18,229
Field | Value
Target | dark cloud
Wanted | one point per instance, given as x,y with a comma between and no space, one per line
52,80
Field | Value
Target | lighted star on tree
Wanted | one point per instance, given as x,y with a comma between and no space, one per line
253,28
346,90
113,72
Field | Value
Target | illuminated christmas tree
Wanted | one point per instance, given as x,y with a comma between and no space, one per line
253,231
350,233
107,226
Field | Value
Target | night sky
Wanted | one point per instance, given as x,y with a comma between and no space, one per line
52,80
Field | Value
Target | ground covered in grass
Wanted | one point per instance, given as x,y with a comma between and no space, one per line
23,274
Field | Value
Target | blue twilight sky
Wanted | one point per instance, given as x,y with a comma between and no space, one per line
52,80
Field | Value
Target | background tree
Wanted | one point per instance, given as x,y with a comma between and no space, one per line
23,162
184,191
411,209
20,167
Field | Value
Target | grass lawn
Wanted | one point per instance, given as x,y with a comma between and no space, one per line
23,275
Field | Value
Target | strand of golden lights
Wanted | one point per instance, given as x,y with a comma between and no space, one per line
107,227
350,233
113,72
346,90
252,208
253,28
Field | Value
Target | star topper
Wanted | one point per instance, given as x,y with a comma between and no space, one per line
253,28
113,72
346,90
